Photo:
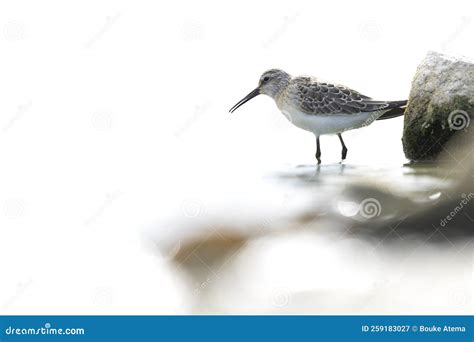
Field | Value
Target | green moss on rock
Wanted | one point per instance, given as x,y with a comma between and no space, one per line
440,106
427,126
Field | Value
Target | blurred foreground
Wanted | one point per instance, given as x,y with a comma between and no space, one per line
334,239
343,240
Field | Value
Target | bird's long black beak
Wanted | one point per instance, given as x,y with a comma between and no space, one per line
250,96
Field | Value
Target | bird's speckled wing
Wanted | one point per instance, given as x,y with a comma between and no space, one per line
314,97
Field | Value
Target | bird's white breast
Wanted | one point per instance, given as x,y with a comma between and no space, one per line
330,123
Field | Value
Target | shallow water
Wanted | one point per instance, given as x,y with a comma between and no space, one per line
337,238
246,234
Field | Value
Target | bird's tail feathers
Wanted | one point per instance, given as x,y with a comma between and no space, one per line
396,108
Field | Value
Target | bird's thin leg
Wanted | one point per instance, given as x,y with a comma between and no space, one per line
344,148
318,150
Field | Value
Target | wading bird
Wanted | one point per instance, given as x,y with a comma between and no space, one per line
321,107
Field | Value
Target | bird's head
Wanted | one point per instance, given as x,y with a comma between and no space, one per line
271,83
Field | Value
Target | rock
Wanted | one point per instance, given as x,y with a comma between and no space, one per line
441,105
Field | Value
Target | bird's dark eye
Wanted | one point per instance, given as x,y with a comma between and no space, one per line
266,78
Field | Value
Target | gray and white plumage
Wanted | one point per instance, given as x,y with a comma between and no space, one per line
316,97
321,107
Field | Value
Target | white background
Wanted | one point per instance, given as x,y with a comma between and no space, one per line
113,113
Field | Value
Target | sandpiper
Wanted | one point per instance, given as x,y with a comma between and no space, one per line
321,107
